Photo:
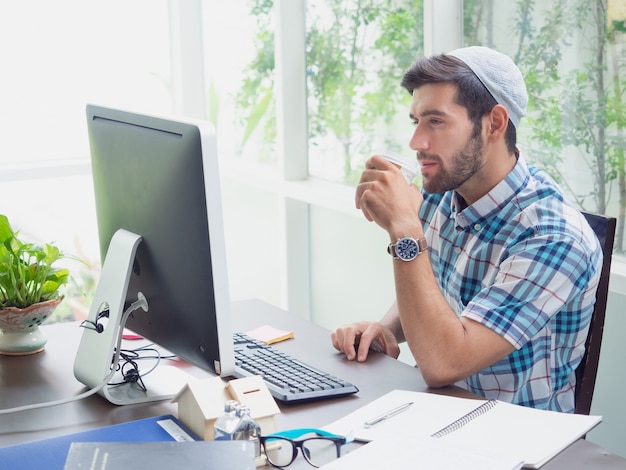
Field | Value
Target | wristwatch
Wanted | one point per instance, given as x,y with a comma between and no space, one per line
407,248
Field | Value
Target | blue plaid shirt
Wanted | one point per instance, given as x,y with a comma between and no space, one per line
525,263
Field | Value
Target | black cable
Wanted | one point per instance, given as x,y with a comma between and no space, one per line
129,368
96,326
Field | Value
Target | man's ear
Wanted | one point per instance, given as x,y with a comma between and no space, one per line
498,121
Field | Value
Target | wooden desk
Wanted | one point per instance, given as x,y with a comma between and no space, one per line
48,376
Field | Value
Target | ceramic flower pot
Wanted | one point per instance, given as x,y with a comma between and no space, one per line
19,328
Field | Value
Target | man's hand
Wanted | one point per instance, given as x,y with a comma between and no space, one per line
357,339
384,196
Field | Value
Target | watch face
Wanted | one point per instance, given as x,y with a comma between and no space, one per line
407,249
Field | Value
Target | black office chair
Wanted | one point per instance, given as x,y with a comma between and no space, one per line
604,227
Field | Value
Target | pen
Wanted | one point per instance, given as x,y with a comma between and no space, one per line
387,415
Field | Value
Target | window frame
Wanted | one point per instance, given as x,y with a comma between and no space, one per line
292,183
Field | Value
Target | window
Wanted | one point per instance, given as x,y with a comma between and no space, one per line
571,54
57,56
357,52
239,77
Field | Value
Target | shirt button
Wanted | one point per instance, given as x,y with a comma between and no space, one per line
457,250
477,227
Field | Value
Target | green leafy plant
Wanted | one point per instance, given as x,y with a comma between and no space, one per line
27,274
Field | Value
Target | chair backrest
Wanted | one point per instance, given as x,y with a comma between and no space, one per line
604,227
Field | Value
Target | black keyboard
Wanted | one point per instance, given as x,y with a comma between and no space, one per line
286,378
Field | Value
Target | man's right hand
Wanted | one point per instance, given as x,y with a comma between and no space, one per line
356,340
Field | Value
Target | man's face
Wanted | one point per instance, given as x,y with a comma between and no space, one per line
447,147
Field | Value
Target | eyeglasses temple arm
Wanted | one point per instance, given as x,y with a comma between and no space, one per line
295,433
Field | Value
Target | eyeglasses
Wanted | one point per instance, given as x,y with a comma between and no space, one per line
320,448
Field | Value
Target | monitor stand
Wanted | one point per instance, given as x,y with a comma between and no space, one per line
97,357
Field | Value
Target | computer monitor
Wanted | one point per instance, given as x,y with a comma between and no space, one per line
159,214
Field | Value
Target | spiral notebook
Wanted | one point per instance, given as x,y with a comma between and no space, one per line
409,453
476,426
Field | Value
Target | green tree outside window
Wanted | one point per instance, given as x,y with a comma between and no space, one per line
357,52
576,111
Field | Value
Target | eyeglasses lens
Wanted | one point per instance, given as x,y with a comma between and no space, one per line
280,452
320,451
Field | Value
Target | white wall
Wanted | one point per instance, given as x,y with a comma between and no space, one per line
608,397
351,272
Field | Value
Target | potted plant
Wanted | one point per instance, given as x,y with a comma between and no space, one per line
30,289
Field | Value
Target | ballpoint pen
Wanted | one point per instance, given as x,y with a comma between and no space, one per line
387,415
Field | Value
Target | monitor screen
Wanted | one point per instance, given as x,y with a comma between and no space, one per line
158,178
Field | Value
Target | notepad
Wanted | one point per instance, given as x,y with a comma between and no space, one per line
478,426
269,335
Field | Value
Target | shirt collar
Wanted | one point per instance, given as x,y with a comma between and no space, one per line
494,200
